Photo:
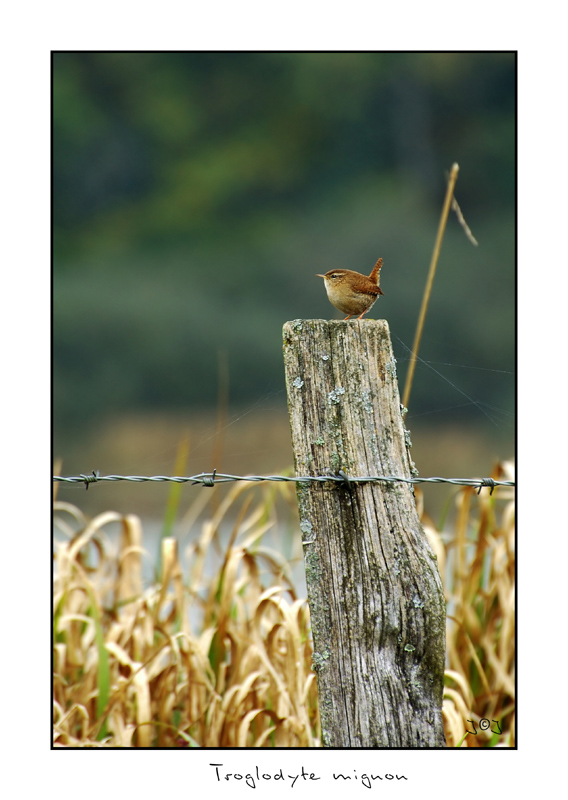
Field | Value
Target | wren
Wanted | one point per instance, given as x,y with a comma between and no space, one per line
351,292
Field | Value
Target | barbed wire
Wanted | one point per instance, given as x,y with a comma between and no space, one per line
211,479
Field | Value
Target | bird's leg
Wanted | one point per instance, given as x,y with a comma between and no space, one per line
347,317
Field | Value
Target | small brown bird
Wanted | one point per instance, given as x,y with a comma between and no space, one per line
352,292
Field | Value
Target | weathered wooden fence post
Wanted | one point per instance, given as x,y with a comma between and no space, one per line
376,599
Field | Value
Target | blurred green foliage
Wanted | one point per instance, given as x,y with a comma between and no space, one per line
197,194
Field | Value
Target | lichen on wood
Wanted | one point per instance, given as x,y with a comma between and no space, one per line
376,599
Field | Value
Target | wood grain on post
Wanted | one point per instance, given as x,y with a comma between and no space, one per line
376,600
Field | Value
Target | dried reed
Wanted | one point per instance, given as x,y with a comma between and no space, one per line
129,670
222,657
477,564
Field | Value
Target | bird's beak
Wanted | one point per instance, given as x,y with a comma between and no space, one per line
319,276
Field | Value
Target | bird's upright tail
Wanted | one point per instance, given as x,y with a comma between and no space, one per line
375,275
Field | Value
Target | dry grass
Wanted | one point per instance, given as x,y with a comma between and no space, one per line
477,563
222,657
128,669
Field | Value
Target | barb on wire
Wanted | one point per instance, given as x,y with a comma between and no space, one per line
211,479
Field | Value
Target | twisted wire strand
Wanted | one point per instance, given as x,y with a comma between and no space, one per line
210,479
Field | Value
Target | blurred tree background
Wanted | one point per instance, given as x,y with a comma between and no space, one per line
195,196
